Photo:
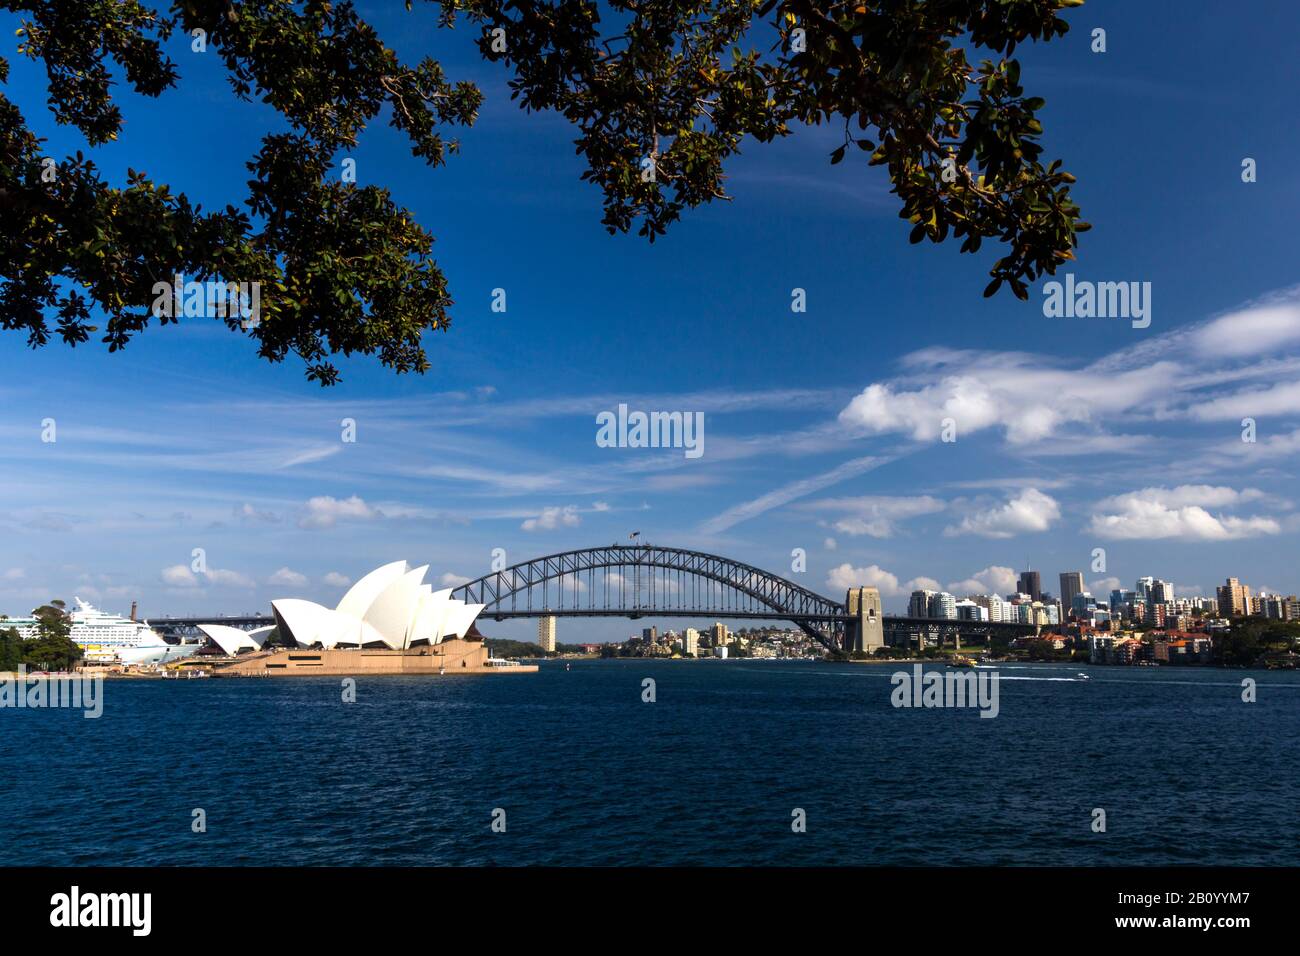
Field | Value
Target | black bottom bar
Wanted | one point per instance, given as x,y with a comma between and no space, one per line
216,906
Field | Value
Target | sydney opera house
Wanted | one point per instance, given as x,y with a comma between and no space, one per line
388,622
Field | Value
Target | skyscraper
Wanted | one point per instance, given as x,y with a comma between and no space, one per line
919,605
546,632
1234,598
691,641
943,605
1031,584
1071,586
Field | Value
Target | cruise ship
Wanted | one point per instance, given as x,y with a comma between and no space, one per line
110,638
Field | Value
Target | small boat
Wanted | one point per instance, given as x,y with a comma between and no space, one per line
957,660
1082,676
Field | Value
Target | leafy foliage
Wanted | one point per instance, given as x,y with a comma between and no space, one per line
661,99
11,649
53,647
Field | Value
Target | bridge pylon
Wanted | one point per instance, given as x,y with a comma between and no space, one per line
864,630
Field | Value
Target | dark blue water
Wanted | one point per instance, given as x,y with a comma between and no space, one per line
708,774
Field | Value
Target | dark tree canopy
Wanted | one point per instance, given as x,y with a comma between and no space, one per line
661,92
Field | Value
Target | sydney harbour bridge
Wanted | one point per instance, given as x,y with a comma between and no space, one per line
644,580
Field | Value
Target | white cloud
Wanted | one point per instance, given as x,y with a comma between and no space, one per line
15,574
846,576
336,580
325,511
552,518
995,579
231,579
287,577
1022,394
179,576
873,576
450,580
830,544
790,492
874,515
1281,399
1180,512
247,512
1103,586
1029,511
1252,331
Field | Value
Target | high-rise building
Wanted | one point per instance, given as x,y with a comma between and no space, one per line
999,609
943,605
1031,584
919,605
1071,585
691,641
650,635
718,635
1234,598
546,632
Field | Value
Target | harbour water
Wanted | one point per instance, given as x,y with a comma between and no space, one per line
587,772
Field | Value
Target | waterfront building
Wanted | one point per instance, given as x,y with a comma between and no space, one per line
1234,598
389,607
968,610
997,607
691,641
650,635
1071,586
719,636
942,605
546,633
919,604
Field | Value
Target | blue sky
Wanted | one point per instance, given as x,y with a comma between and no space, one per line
820,428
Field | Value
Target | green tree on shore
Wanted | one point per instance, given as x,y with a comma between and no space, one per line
11,649
53,647
662,95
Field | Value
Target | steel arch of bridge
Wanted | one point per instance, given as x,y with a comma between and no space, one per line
736,590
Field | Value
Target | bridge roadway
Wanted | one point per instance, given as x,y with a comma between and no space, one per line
892,624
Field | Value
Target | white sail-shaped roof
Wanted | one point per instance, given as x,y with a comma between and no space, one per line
231,640
427,623
362,594
391,612
259,635
460,619
308,623
389,607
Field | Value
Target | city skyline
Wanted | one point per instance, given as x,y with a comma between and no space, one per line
823,430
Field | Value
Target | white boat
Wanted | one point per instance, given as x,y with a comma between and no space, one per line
110,638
